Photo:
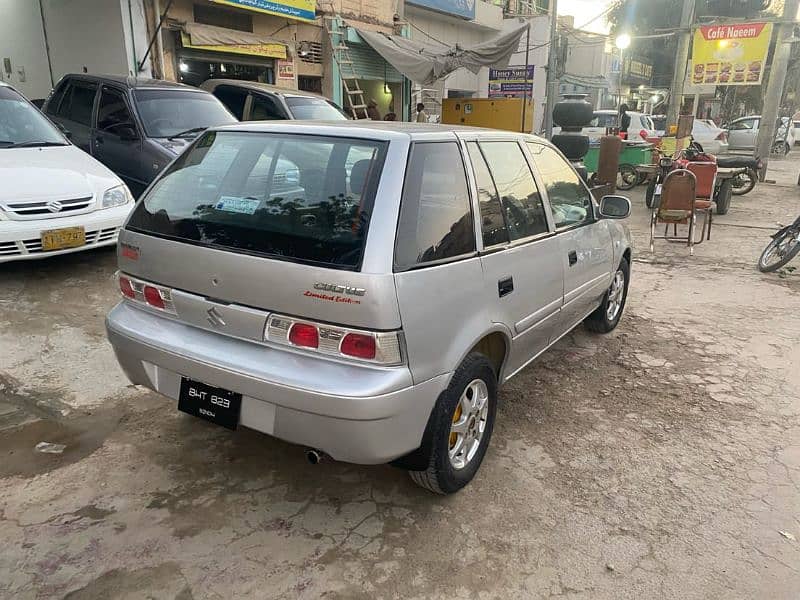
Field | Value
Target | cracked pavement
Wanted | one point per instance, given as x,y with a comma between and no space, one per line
661,461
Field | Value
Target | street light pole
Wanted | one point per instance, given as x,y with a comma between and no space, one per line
681,63
777,81
552,78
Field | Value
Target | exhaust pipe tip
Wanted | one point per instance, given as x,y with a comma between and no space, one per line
314,456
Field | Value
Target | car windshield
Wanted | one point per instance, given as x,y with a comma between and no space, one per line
167,112
22,123
305,108
294,197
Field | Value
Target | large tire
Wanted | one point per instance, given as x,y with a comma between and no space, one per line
628,177
650,194
781,148
604,319
788,254
744,183
574,147
441,473
723,198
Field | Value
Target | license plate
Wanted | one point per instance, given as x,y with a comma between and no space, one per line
210,403
67,237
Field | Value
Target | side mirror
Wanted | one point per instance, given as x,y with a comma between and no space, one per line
127,133
67,133
615,207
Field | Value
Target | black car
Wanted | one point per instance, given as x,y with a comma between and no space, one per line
255,101
133,126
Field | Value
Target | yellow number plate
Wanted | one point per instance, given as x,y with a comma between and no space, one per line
58,239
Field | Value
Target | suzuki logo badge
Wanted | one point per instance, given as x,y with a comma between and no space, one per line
214,317
54,206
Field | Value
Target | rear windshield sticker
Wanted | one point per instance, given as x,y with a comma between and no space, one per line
234,204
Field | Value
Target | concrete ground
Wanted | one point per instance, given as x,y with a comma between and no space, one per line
661,461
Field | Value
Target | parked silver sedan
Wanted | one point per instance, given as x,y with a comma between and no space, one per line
363,289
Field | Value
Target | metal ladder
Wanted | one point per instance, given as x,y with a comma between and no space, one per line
341,54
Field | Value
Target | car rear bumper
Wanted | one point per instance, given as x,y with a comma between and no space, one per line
354,413
21,240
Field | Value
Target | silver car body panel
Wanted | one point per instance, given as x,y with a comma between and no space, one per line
357,412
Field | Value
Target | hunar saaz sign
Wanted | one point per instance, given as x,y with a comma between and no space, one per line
514,82
300,10
730,54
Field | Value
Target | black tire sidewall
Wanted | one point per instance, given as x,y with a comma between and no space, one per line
781,263
724,196
601,314
627,169
475,366
650,194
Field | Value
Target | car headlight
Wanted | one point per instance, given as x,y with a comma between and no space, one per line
117,196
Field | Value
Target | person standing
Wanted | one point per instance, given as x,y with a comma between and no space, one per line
422,116
624,119
372,110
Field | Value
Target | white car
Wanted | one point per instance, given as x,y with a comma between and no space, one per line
54,198
640,129
713,139
743,134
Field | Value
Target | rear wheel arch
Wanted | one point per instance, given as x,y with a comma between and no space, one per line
493,346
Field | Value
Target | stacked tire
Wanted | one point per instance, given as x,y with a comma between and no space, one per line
572,114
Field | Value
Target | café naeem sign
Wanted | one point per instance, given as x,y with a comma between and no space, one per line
730,54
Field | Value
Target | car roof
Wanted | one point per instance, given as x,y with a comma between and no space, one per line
383,130
133,82
261,87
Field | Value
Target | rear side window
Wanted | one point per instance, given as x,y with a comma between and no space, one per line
522,204
266,109
233,98
293,197
435,214
78,102
492,223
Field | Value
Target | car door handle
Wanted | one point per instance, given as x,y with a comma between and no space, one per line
505,286
573,257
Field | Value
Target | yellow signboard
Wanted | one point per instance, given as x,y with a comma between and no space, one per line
266,50
301,10
730,54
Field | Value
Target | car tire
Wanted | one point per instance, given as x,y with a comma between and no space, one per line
723,198
444,474
603,319
780,149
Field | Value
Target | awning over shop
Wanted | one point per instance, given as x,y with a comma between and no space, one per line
424,65
220,39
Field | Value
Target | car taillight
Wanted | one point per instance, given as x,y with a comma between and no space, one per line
126,288
643,134
153,297
304,335
146,294
722,137
378,347
359,346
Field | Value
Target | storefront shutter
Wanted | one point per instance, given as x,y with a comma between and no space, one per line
370,65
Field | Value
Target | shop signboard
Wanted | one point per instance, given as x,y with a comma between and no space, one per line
265,50
730,54
464,9
513,82
285,69
637,71
300,10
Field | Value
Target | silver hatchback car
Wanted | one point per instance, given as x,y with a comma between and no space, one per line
362,288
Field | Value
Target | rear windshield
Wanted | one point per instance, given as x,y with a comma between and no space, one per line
295,197
306,108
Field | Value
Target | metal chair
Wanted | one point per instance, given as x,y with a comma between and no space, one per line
677,207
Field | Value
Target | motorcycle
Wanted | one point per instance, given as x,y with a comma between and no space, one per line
744,182
783,248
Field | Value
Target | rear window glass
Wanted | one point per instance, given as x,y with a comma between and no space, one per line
294,197
435,215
